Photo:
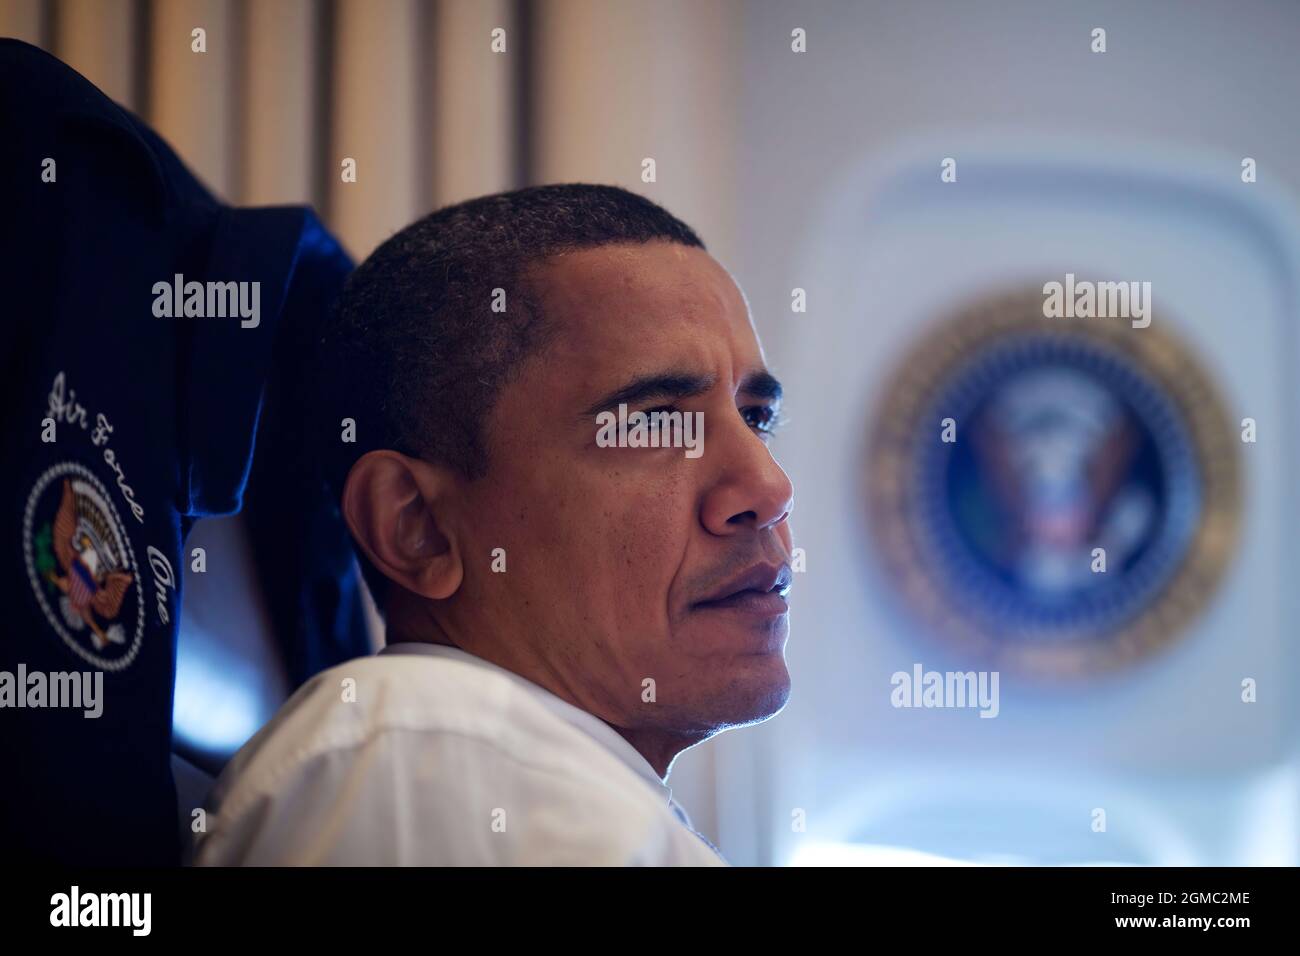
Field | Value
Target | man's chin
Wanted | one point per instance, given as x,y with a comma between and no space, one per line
742,665
737,633
759,688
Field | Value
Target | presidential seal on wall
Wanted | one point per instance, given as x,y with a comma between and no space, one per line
1054,496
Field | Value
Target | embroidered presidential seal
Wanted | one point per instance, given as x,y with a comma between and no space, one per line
82,568
1055,496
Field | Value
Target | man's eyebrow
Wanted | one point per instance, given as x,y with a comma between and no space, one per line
655,386
761,384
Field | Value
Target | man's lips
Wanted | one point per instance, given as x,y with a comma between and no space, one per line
760,589
754,602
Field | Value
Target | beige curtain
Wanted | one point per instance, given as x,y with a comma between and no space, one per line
414,93
286,90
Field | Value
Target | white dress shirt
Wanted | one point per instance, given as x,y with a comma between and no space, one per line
427,755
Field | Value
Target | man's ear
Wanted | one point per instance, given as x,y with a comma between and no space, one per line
393,505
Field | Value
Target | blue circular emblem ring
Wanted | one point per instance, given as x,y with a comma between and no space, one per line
1059,495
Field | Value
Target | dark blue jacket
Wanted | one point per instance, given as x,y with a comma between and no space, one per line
154,422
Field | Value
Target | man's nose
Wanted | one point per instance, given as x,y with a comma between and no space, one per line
749,490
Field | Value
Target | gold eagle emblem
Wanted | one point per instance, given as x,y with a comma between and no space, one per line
92,577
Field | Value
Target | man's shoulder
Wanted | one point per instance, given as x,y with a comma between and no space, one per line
416,705
408,758
383,695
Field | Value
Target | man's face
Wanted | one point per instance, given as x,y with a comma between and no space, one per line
624,564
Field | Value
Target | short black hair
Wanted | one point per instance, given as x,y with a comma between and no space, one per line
413,351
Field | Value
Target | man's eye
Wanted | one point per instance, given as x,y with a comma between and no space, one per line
762,418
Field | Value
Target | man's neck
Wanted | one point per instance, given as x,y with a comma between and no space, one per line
659,748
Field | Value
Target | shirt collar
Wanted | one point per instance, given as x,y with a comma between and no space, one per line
590,724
